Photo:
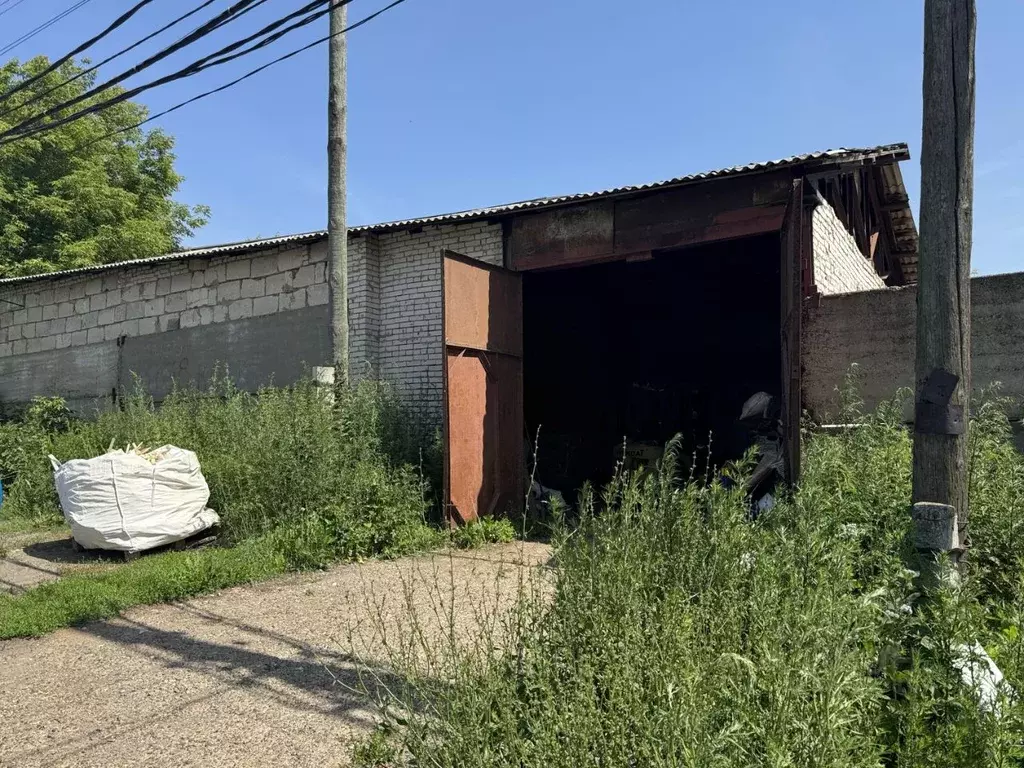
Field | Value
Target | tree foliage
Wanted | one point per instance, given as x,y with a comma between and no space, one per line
76,196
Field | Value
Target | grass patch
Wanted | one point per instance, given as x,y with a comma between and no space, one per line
81,597
679,632
299,484
485,530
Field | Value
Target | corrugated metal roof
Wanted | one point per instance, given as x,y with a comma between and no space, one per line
889,153
243,245
896,151
213,250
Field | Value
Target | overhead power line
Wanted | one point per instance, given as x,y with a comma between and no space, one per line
94,67
11,7
238,80
231,13
45,25
228,53
119,21
222,57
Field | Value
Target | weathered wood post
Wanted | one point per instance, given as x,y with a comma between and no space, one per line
943,365
337,158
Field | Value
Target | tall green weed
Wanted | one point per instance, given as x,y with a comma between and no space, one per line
677,631
282,460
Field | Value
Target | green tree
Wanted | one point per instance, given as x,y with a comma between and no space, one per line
75,196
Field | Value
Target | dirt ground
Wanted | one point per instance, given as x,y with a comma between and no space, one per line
267,675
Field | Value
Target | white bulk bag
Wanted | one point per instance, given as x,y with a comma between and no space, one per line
125,502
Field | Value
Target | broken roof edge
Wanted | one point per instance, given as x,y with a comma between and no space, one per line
885,154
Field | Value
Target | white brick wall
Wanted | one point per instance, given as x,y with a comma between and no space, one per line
138,300
364,306
839,266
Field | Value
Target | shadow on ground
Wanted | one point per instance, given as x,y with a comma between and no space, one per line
61,551
273,667
300,676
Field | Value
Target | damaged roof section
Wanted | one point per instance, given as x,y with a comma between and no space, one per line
903,232
895,202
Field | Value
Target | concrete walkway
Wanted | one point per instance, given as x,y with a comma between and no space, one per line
253,676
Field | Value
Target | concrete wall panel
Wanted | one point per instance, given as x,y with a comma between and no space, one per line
85,376
273,349
150,298
877,330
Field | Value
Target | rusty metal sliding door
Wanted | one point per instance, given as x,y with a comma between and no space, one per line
483,410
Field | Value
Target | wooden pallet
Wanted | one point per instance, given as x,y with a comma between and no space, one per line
198,540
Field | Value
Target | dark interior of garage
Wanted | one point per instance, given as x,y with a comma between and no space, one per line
628,354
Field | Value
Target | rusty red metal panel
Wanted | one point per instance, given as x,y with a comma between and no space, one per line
611,230
791,317
562,237
722,210
483,306
464,451
727,225
486,463
484,448
808,287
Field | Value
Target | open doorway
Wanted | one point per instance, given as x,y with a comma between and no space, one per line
642,351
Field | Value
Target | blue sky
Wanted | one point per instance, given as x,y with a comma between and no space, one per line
456,104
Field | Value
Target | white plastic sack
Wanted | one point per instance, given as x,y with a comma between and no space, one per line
979,672
124,502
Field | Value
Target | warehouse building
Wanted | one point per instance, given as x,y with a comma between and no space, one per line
634,313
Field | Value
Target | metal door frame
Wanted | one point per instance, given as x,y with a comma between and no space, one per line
794,256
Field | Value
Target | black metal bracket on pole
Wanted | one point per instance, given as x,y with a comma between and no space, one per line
934,414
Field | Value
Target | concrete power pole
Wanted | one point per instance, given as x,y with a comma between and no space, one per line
337,228
943,365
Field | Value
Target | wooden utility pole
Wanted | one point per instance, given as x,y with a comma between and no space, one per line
337,228
943,365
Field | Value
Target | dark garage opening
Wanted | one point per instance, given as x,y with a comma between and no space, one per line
642,351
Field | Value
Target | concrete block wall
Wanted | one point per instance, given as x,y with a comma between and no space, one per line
839,266
145,299
410,352
877,331
262,314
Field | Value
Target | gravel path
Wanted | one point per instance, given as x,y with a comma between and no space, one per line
252,676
